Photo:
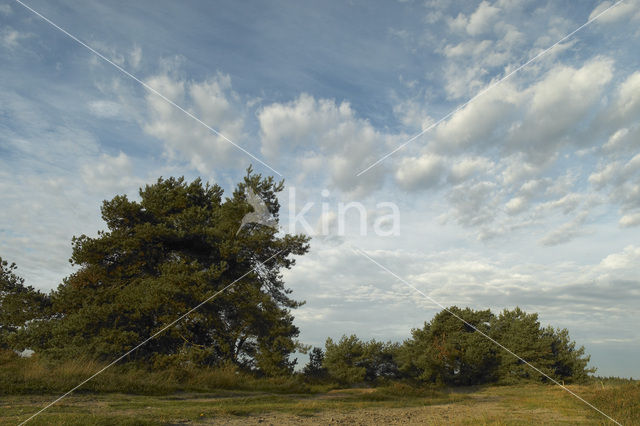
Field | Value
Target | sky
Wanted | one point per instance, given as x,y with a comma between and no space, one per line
522,188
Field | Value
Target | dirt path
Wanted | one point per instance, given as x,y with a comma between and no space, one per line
507,405
480,410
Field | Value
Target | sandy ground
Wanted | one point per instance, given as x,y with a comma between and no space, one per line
493,405
472,413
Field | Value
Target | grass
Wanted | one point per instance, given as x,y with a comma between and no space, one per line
36,376
622,401
503,405
130,395
189,407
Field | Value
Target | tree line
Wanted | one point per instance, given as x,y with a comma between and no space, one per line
449,351
181,243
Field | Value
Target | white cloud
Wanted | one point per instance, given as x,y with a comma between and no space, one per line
625,261
478,121
482,19
604,176
526,127
616,173
474,204
567,204
5,9
566,232
465,167
535,121
516,168
111,174
590,298
10,38
291,125
323,129
104,109
630,220
212,101
516,205
626,104
616,139
629,9
412,114
121,56
556,105
135,57
467,47
421,172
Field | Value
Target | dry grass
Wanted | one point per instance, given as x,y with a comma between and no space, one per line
129,395
34,376
495,405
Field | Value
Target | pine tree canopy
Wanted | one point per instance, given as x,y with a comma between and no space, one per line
163,255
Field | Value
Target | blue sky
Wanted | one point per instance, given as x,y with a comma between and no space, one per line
528,196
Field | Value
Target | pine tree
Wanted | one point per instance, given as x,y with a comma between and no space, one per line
19,305
163,255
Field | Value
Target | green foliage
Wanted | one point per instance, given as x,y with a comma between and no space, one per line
569,363
449,351
446,350
550,350
380,360
352,361
19,306
165,254
521,333
314,368
344,359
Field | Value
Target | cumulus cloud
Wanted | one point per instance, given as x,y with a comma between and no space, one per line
557,104
566,232
474,125
481,20
412,114
321,128
212,101
625,10
516,205
516,168
616,140
421,172
475,204
566,204
620,178
466,167
625,261
626,102
630,220
582,296
526,127
111,173
616,172
493,39
535,120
